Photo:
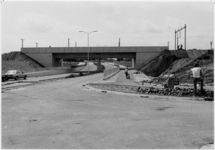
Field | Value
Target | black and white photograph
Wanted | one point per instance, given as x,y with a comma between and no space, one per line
107,74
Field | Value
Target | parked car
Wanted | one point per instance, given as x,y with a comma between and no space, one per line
3,78
14,74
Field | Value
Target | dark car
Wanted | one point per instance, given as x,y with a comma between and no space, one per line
3,78
13,74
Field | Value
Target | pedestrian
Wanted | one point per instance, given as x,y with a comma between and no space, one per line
181,47
178,47
197,75
126,72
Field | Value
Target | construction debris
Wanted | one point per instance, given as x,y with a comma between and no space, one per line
176,92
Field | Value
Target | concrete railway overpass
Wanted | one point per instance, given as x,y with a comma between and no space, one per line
52,56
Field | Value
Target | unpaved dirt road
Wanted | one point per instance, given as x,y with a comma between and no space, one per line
63,114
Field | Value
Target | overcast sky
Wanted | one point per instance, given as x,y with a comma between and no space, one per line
136,23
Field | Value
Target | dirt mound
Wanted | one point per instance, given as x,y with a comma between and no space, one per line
195,53
20,61
180,54
181,67
180,62
205,61
18,65
159,64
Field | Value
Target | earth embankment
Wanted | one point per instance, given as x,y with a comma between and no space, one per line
205,61
159,64
180,62
20,61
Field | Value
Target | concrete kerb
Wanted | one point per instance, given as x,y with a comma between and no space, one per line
141,95
111,75
156,97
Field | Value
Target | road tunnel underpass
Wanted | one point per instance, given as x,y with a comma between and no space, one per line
126,59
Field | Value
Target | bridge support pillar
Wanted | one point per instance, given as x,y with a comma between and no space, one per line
56,62
133,62
61,62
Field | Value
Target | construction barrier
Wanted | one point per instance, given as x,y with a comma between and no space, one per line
110,72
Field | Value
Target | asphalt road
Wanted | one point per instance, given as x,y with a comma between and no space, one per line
64,114
92,67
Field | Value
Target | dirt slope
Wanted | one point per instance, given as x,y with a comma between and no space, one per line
182,67
206,62
195,53
159,64
19,61
180,62
18,65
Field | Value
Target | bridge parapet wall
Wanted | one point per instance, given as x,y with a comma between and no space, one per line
145,49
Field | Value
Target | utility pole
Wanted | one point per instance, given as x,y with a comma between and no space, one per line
119,42
176,37
22,42
36,44
211,45
68,42
168,44
185,36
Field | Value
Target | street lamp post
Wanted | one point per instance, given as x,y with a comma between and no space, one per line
36,44
88,46
22,42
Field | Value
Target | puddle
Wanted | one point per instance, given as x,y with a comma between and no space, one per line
162,108
32,120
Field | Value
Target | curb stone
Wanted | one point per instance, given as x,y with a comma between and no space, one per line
141,95
111,75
